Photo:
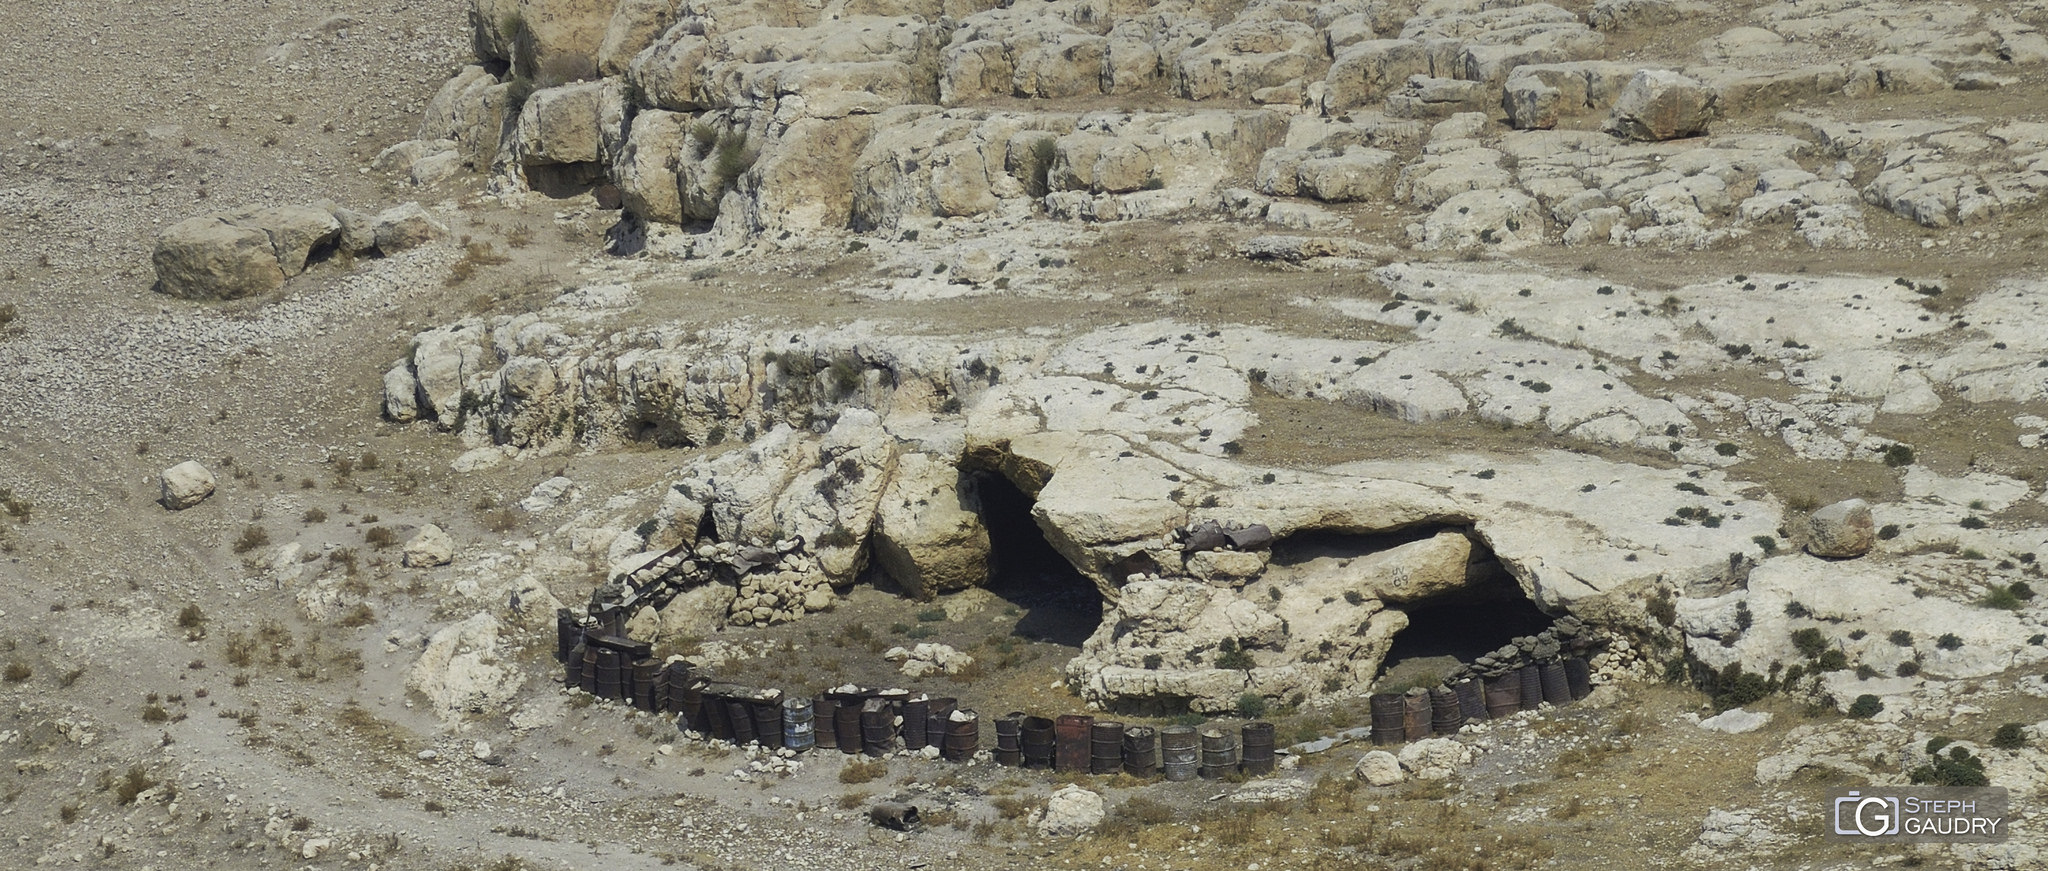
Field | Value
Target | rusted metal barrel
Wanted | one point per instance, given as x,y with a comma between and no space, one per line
1532,686
1503,696
767,711
741,715
1445,717
1040,738
823,707
717,721
1415,714
1219,753
587,681
1578,675
1105,748
915,713
644,671
611,674
1180,752
894,815
572,668
1556,689
1141,751
1388,723
693,716
1070,737
1258,748
962,736
1471,699
846,722
1010,739
935,719
877,727
799,728
568,633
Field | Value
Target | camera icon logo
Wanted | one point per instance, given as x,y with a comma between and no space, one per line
1870,816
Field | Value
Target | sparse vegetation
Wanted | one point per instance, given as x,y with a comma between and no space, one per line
863,770
252,537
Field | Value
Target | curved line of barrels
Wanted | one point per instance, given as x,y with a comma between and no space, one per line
877,722
1443,710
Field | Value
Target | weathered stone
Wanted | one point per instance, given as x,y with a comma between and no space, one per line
1842,530
428,548
185,485
210,257
1660,104
1380,768
406,226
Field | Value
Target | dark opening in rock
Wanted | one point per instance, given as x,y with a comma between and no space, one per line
564,180
1458,626
1060,605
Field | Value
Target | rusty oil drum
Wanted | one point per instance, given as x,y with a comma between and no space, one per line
1388,721
740,713
1105,748
1503,696
1180,752
1446,717
1070,739
1415,714
1010,739
1471,699
1257,755
766,707
962,736
1039,739
916,712
1141,752
644,672
823,707
846,723
1219,753
1532,686
1556,689
877,727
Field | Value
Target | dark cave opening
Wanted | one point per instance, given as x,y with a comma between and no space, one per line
1461,625
1059,604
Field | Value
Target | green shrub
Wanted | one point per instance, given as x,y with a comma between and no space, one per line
1734,687
1949,641
732,160
1832,660
931,615
2011,736
1958,768
1769,544
1908,668
1902,638
1232,656
1898,455
1866,706
1810,642
252,537
1251,706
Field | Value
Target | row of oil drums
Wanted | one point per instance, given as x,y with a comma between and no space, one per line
1420,713
1080,743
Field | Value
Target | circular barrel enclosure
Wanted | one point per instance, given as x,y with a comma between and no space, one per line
1531,686
1141,751
1257,753
1180,752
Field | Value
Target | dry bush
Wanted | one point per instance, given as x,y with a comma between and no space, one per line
501,520
17,671
379,536
359,616
252,537
863,770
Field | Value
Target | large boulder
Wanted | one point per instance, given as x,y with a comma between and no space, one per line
213,257
1660,104
1071,812
185,485
463,671
646,168
1380,768
927,539
406,226
429,547
294,231
560,125
1842,530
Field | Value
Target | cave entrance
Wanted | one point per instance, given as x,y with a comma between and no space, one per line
1454,628
1059,605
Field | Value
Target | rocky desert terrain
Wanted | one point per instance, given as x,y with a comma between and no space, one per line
1200,361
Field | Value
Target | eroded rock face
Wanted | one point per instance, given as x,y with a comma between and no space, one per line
214,257
1842,530
1660,104
463,671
